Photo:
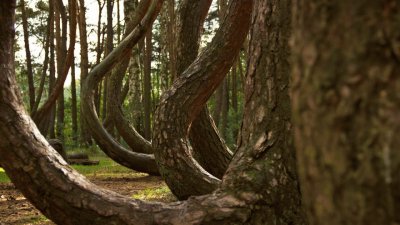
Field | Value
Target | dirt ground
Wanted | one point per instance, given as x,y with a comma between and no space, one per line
16,210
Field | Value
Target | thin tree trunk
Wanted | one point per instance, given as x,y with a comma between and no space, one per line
52,78
50,27
31,85
346,102
147,85
84,66
171,38
61,52
74,106
119,22
225,107
219,95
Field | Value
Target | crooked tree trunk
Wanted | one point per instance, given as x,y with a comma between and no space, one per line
346,73
135,141
187,97
136,161
258,188
209,149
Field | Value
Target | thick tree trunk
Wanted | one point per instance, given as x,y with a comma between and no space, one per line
136,161
258,189
31,85
182,104
347,108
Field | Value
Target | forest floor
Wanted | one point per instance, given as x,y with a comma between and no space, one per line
15,209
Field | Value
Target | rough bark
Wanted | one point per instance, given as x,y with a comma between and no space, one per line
255,190
136,161
187,97
209,149
29,69
346,80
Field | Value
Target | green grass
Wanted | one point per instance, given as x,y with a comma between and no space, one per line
3,177
159,194
106,168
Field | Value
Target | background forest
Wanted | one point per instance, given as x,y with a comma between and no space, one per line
43,35
308,87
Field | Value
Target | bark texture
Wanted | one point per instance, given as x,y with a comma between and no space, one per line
346,102
182,103
253,192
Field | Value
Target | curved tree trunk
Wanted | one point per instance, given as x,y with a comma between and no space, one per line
346,74
135,141
136,161
258,189
187,97
209,149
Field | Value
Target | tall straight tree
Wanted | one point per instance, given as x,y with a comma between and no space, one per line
74,105
84,66
346,73
29,69
148,51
